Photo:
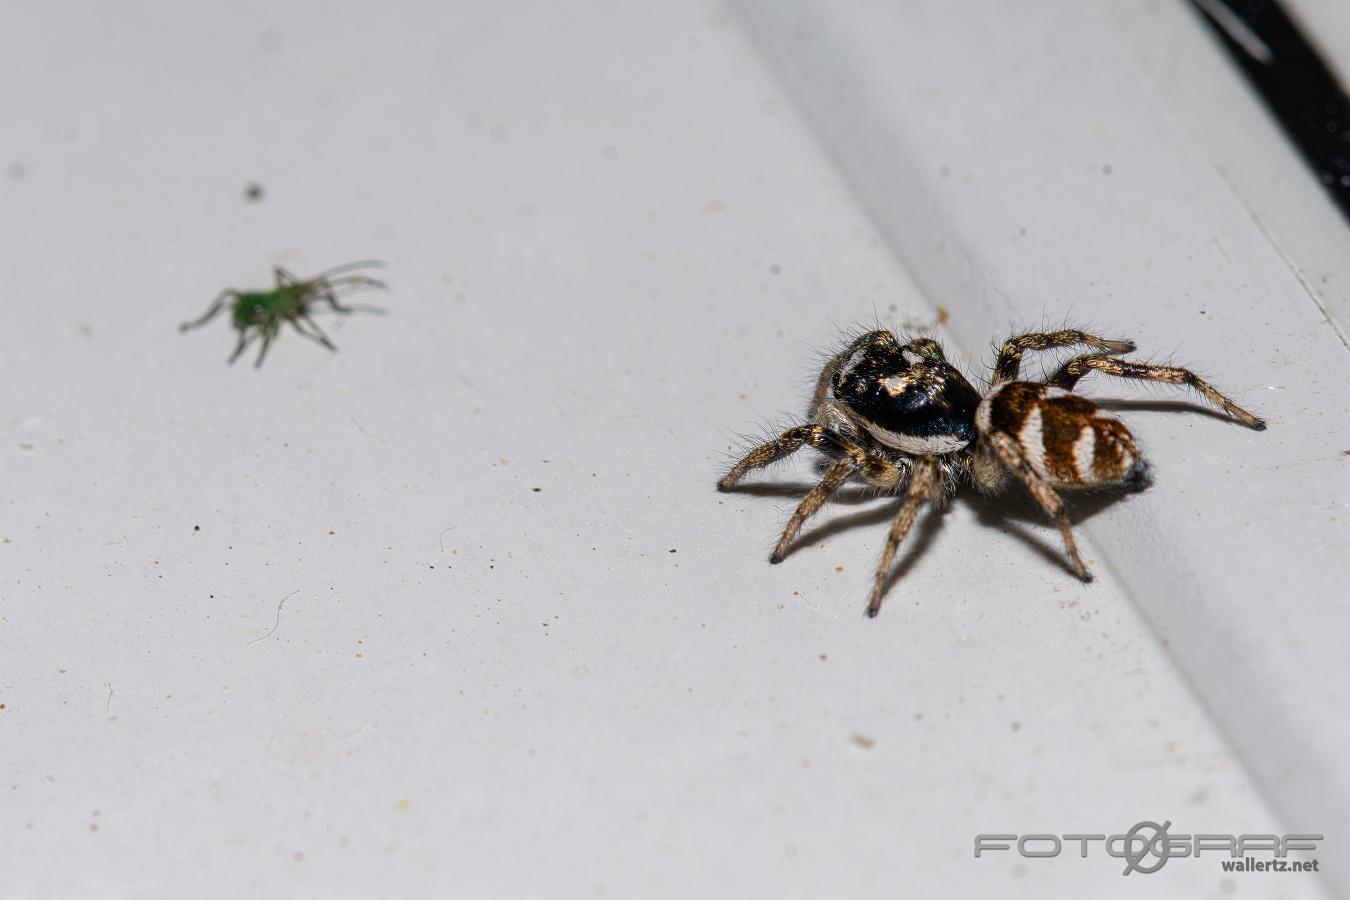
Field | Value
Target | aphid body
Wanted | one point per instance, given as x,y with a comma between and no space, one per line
262,313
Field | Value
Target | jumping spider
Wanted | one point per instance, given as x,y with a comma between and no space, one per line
902,419
262,313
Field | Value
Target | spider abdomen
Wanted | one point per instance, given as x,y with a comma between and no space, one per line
1064,438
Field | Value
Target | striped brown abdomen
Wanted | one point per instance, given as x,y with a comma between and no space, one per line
1067,439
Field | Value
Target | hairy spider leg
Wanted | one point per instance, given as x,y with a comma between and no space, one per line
1076,368
1006,448
923,486
1009,362
835,477
785,444
216,306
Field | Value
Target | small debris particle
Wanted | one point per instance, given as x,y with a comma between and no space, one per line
360,655
93,826
298,856
1017,726
17,170
332,532
943,315
672,549
253,192
775,269
196,528
823,657
536,490
1106,169
2,706
716,206
839,568
864,741
403,806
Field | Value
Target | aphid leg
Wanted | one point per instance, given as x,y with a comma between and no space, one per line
244,338
216,306
922,486
269,332
834,478
1044,494
284,278
1009,362
328,289
1076,368
347,267
315,333
787,443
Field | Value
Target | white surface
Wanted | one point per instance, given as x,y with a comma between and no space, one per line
1243,142
614,244
1023,164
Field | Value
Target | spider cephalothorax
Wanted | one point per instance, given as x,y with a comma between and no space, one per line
901,418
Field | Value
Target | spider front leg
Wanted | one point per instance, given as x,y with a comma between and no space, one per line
216,306
785,444
922,486
1076,368
1009,454
1009,362
875,470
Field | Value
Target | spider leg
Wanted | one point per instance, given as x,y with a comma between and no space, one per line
269,332
922,486
1076,368
216,306
317,334
1009,362
835,477
1044,494
786,444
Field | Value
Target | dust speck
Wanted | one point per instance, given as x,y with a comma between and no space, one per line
863,741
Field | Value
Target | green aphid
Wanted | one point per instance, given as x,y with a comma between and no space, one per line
261,313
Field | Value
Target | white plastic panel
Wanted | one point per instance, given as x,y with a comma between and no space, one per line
431,636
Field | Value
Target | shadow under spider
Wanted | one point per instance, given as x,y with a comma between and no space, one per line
1011,512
